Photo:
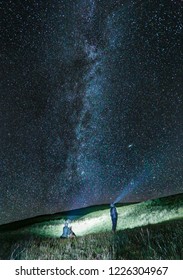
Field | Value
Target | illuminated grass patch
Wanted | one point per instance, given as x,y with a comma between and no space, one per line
130,216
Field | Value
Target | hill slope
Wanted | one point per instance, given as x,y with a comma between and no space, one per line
97,219
147,230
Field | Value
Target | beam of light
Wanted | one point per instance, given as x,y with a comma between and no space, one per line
99,220
132,186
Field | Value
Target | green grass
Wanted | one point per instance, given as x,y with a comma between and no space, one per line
97,219
148,230
162,241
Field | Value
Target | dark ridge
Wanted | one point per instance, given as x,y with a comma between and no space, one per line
82,212
43,218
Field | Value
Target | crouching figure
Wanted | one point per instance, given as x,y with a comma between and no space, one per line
67,231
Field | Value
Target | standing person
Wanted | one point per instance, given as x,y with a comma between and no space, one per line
114,217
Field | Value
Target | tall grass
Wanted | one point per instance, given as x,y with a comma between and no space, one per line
161,241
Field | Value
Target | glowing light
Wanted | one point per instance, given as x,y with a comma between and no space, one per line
99,221
131,186
130,145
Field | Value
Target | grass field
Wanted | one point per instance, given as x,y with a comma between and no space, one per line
147,230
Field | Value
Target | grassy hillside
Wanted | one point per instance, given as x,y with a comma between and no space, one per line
146,230
162,241
97,219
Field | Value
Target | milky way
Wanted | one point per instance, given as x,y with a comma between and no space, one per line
91,104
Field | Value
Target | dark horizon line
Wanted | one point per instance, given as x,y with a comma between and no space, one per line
75,212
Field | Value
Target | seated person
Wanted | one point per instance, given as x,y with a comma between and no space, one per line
67,231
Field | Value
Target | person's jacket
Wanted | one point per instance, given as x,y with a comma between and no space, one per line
113,213
66,231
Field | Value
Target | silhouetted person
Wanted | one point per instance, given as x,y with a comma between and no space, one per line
67,231
114,216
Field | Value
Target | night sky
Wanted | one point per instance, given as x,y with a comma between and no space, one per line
91,103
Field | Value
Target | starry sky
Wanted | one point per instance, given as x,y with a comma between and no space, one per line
91,103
